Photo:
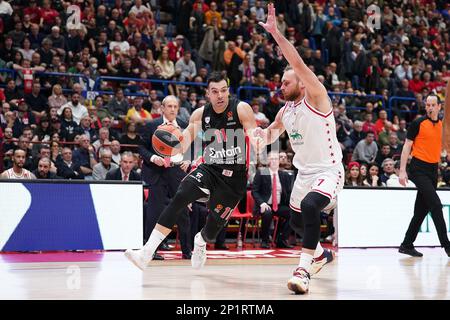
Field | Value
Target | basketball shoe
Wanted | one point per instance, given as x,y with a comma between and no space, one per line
326,257
198,257
299,283
137,257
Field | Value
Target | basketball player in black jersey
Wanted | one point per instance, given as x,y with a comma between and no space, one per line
222,178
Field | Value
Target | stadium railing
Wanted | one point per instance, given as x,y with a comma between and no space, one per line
70,75
96,89
397,98
251,89
369,97
165,83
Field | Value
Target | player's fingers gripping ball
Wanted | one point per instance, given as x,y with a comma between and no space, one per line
166,140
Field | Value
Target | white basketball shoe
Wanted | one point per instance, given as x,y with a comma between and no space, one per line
138,259
299,283
198,258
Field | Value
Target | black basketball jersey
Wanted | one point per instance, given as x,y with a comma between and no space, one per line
224,142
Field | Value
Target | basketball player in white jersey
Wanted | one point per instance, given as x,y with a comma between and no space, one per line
308,119
17,171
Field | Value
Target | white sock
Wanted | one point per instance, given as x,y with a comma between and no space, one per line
305,261
198,240
152,244
319,250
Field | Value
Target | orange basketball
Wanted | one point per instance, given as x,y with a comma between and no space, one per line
166,140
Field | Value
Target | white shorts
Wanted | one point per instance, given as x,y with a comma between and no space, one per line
328,183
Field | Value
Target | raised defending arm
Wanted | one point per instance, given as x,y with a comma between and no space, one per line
316,93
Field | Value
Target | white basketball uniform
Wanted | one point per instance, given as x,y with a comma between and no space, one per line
318,155
24,175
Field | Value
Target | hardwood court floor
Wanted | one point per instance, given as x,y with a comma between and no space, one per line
355,274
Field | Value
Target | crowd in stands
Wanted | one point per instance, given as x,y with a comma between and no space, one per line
362,64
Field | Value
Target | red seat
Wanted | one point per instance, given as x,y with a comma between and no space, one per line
250,202
241,216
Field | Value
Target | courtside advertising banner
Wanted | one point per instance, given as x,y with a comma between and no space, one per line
38,216
379,217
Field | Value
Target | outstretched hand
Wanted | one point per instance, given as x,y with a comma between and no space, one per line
271,23
259,132
259,139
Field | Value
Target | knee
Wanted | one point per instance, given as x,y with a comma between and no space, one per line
312,205
309,210
307,206
182,194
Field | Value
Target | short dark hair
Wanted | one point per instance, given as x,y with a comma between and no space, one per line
434,95
216,77
17,149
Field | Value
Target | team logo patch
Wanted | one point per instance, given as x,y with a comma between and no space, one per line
296,138
198,176
207,124
227,173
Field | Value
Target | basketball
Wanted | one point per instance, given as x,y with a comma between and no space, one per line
166,140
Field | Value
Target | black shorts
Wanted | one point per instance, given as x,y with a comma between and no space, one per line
224,191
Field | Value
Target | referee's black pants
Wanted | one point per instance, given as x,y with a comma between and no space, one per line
425,176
